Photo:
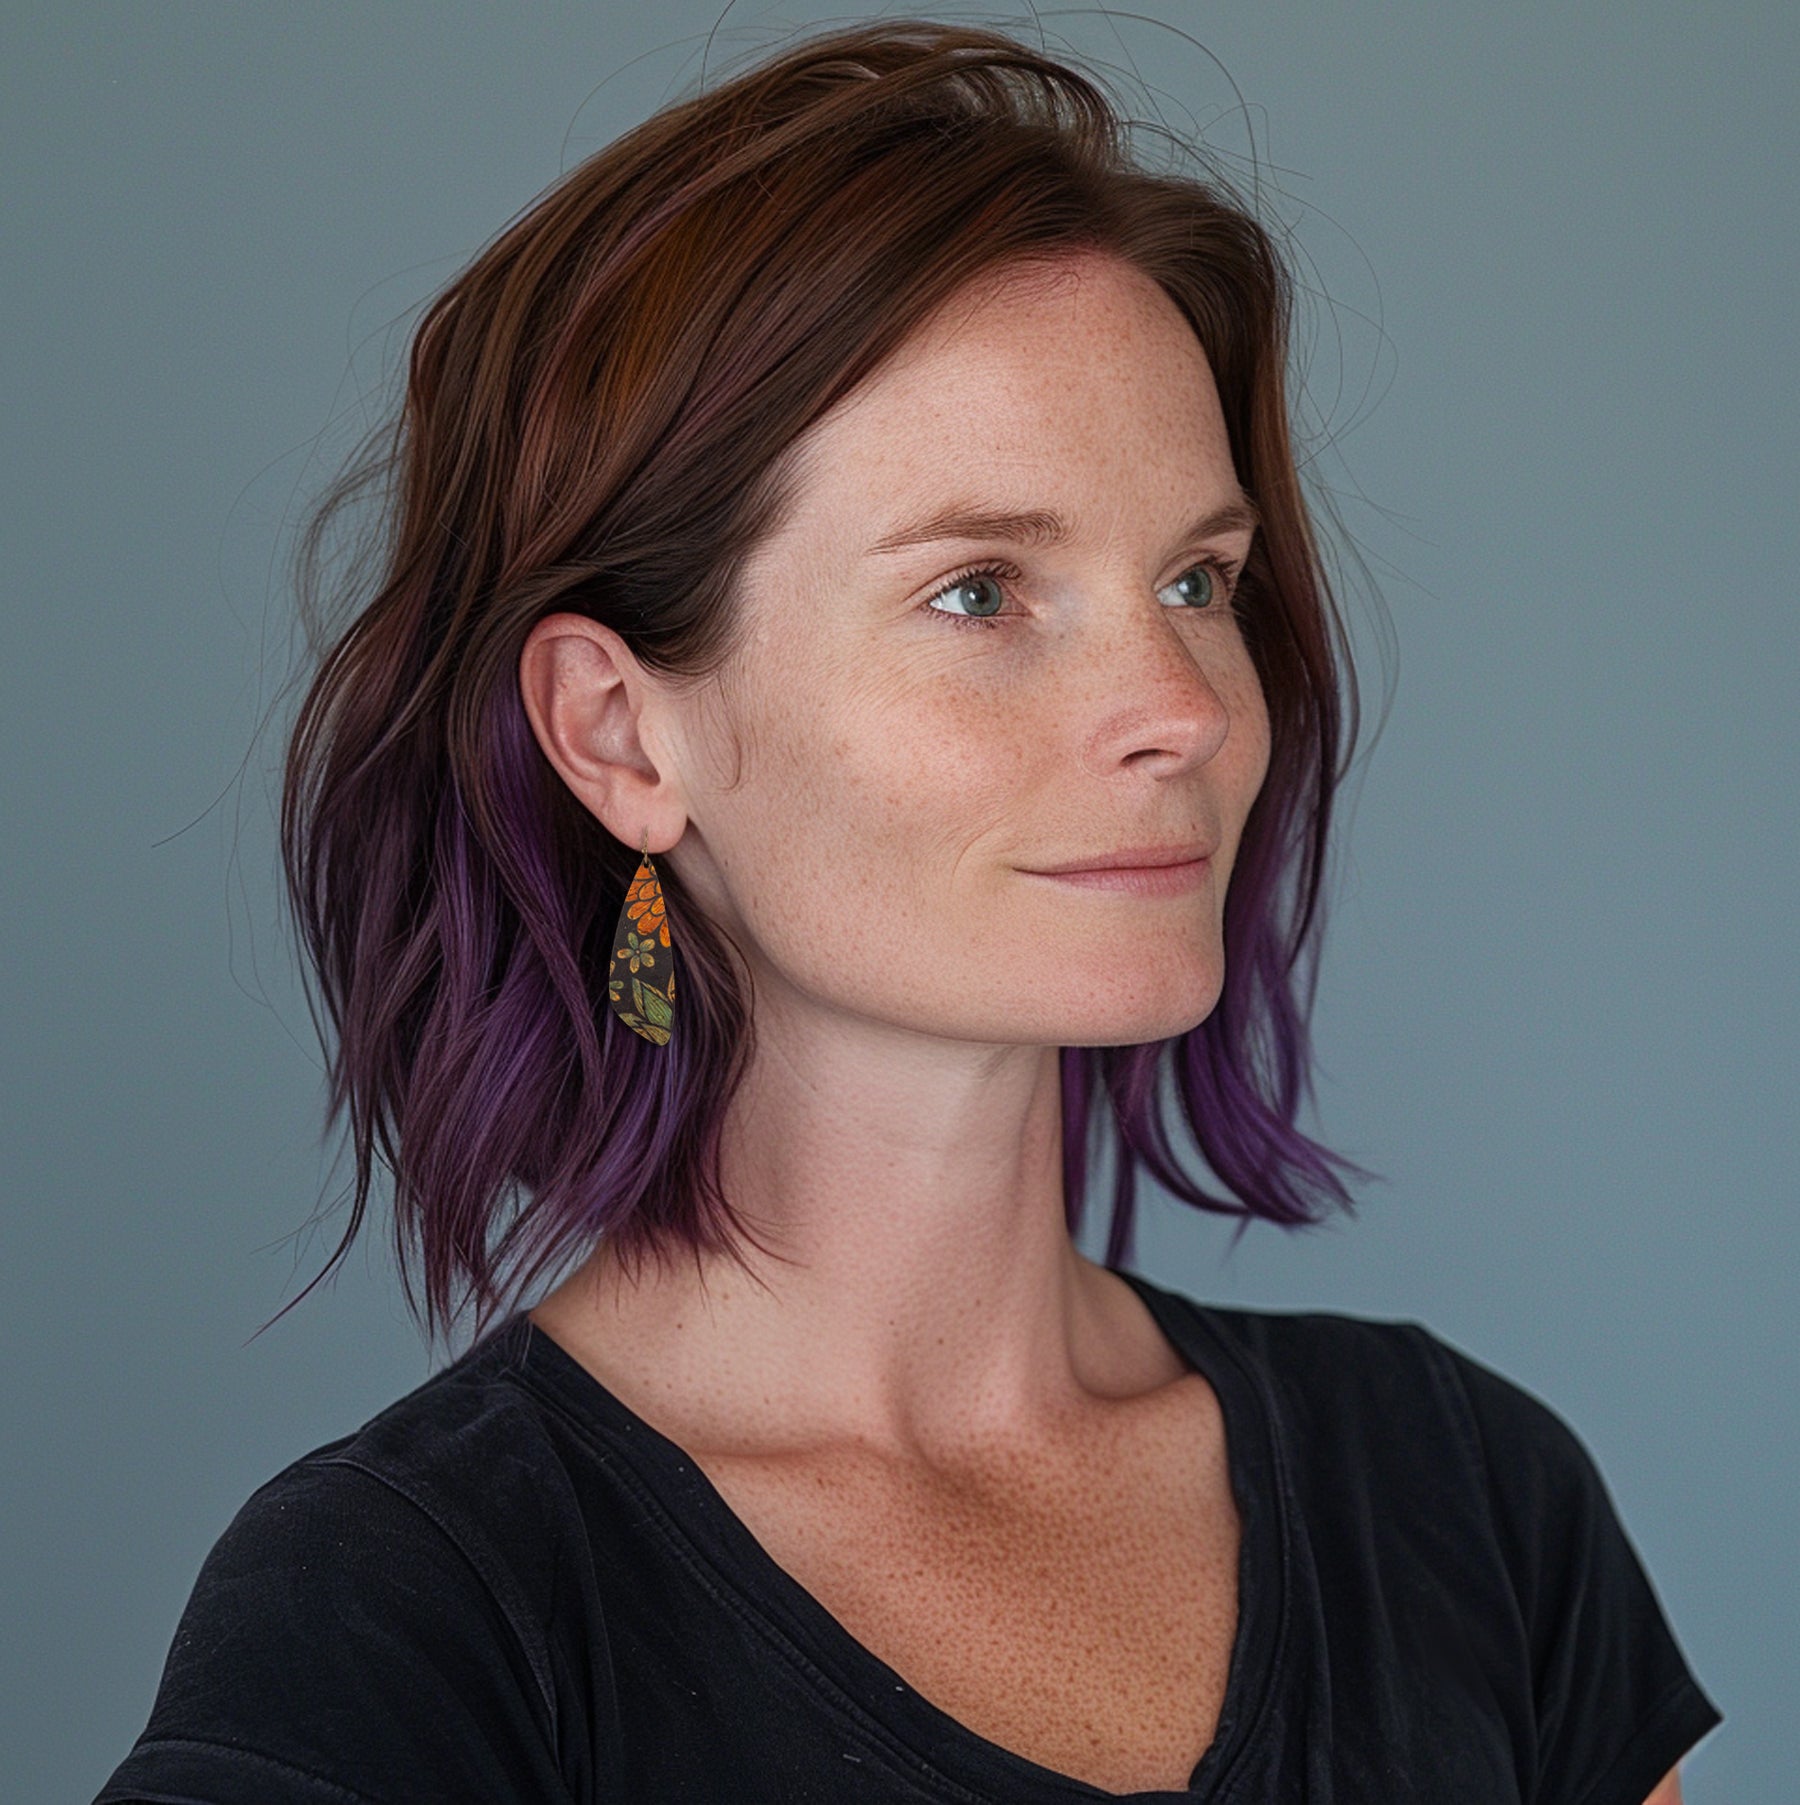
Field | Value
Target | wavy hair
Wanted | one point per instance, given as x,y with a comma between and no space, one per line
597,416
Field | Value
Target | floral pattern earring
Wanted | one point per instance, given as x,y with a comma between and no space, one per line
641,987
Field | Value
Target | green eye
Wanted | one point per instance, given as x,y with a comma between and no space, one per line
1216,586
986,577
975,585
1208,579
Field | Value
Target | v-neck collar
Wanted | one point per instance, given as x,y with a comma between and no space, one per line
946,1757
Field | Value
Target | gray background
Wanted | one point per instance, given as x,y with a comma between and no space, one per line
1556,378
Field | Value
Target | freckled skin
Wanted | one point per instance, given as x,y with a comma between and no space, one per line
913,763
1096,1645
969,1442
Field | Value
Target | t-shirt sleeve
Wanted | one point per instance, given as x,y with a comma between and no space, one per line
1616,1705
338,1648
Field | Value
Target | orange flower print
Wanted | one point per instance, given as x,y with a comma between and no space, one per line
644,905
643,1004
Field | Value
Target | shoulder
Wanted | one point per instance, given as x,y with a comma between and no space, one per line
460,1476
1398,1403
388,1606
326,1560
1402,1451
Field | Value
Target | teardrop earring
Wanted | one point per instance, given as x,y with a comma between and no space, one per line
641,988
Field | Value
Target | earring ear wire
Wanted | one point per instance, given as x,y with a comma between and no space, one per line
640,987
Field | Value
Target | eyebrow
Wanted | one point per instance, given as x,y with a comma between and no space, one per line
1039,528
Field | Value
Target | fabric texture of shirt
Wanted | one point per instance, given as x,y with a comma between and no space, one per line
508,1589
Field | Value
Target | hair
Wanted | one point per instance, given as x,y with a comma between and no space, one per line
598,416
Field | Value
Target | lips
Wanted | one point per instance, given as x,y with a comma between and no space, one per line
1127,858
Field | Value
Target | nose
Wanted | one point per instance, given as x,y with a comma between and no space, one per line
1155,692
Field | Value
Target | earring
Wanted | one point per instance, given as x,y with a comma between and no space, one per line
641,989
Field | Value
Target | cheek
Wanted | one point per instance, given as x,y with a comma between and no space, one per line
921,773
861,797
1242,761
1250,720
855,799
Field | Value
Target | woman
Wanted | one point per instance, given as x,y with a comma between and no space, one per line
846,553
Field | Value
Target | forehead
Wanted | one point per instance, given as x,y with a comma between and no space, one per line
1042,387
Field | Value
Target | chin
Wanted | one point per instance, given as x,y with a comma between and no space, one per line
1137,1020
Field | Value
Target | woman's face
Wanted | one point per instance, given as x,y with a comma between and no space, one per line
907,771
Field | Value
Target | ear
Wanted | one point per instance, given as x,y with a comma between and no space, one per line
594,713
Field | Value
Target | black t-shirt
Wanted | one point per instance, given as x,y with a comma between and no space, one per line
508,1588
